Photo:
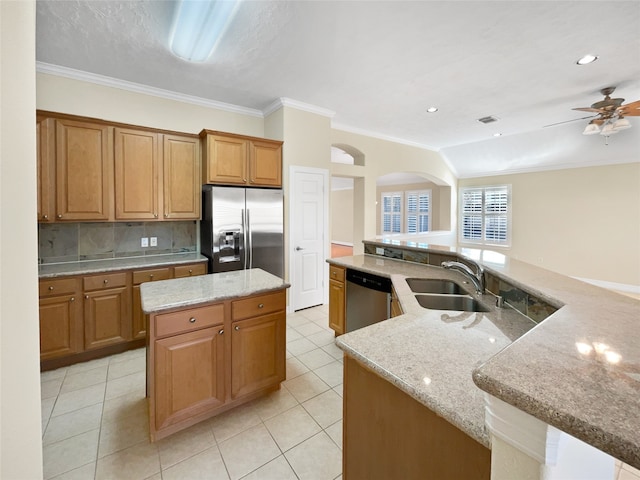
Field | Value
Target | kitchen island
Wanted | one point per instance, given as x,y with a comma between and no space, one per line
214,342
557,371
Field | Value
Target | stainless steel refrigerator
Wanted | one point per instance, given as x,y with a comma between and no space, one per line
242,228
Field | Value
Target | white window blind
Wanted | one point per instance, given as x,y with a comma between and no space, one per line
391,212
485,215
418,209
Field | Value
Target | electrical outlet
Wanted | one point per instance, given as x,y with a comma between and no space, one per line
379,251
144,242
153,241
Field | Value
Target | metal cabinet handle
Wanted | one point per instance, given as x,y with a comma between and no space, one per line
333,273
105,281
190,271
236,328
221,331
51,288
166,215
87,297
155,215
151,275
192,320
261,305
46,217
59,215
72,299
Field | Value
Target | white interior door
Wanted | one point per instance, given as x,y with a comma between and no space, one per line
309,230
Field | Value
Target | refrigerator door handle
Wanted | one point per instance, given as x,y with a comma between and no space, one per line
243,216
250,241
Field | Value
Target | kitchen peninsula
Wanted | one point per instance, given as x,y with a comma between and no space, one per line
214,342
574,367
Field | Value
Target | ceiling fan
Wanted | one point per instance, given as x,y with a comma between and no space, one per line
611,113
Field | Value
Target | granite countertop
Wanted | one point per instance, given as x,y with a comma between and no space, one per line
52,270
165,295
578,370
430,354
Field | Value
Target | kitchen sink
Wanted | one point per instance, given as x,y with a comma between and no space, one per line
451,302
434,285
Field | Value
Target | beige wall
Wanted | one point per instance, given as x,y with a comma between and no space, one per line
583,222
383,157
20,423
342,216
65,95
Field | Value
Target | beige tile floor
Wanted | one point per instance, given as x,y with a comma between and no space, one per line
94,421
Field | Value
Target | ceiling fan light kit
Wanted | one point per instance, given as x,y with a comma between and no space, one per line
610,114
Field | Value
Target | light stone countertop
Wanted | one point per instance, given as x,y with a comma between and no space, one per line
165,295
52,270
430,354
593,395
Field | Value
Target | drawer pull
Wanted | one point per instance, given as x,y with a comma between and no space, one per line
190,271
221,331
192,320
151,275
51,288
261,305
105,281
333,273
236,328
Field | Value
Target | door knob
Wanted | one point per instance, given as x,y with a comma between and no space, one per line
299,248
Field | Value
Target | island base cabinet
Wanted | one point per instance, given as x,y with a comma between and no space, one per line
189,375
256,353
387,434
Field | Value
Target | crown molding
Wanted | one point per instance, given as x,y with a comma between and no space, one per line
306,107
95,78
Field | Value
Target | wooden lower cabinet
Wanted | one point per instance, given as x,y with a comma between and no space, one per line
388,434
256,345
201,362
60,318
337,299
189,375
107,317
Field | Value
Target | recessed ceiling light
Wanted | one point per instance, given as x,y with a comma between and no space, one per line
497,134
587,59
432,109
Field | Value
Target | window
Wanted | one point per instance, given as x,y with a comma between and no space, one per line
485,215
418,205
391,212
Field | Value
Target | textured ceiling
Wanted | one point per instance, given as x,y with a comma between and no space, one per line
379,64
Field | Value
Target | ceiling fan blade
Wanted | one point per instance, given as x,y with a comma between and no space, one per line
588,109
630,109
569,121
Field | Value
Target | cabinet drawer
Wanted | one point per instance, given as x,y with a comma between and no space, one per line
150,275
64,286
190,270
187,320
258,305
336,273
108,280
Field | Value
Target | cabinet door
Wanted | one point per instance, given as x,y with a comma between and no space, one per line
107,317
136,174
189,375
265,163
257,353
60,326
336,306
182,184
45,143
84,155
138,320
226,160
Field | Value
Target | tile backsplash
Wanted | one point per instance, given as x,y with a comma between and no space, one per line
72,242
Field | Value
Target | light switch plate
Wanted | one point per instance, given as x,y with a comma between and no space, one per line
144,242
153,241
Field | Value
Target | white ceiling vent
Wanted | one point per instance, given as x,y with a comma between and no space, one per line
488,119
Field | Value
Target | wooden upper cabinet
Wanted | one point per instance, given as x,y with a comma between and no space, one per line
45,158
238,160
84,156
182,184
137,174
265,163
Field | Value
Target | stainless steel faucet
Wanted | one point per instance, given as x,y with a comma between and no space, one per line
477,278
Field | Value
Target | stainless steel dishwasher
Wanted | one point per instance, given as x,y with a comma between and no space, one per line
368,299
